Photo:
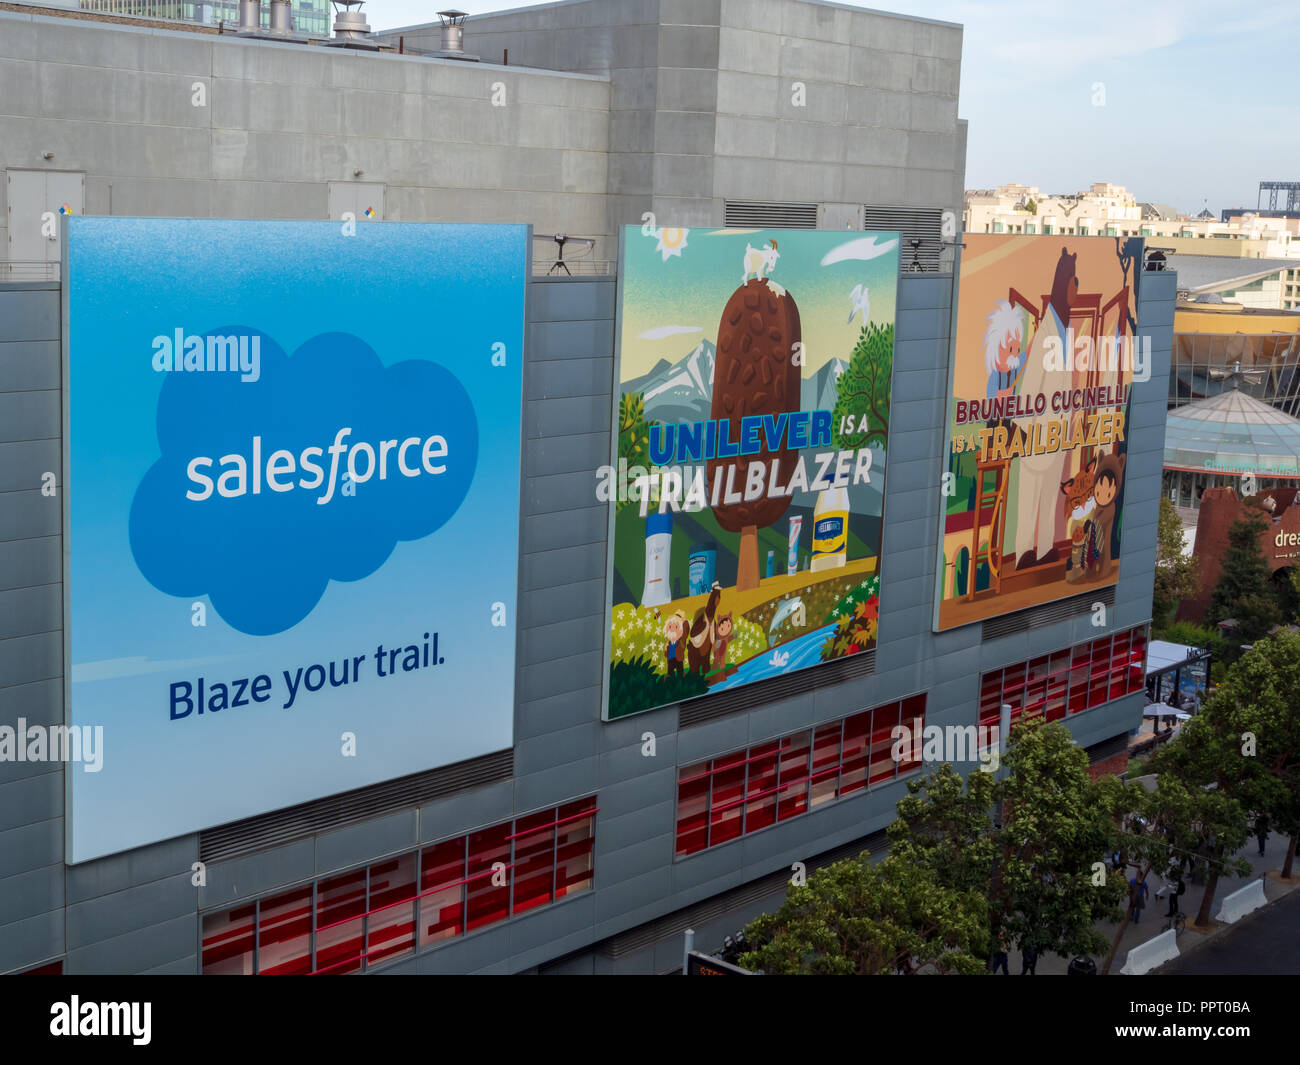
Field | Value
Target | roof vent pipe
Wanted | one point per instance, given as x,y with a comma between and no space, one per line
281,18
250,16
349,25
453,30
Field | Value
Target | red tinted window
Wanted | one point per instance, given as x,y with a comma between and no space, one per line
884,722
856,753
489,873
284,933
534,861
760,807
575,846
228,941
727,809
792,787
826,762
913,717
391,924
991,698
1080,677
442,891
340,923
693,808
368,916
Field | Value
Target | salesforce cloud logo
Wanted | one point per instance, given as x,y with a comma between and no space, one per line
266,491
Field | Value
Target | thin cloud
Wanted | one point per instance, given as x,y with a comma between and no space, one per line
863,249
661,331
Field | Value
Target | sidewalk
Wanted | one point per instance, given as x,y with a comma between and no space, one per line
1153,916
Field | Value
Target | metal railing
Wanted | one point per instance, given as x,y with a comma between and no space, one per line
29,270
549,265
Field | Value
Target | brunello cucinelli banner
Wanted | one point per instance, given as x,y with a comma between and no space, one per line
1045,354
746,493
292,471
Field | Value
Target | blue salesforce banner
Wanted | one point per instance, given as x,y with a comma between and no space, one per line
292,510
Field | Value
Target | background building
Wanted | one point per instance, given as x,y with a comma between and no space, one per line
1212,340
1110,210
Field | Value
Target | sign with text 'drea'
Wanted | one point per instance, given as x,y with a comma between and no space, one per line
292,455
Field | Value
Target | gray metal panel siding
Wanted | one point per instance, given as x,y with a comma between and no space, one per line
139,912
31,684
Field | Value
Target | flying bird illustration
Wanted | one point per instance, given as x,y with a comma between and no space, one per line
861,302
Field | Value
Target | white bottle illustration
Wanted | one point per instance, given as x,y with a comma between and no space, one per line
830,529
658,556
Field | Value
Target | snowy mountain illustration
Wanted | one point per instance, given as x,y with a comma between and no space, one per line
680,391
820,389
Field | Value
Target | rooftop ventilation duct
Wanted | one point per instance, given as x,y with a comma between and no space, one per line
250,16
281,18
453,36
349,25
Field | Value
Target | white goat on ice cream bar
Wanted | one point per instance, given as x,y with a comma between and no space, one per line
759,261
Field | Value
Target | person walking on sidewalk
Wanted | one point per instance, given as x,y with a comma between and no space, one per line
1000,957
1028,960
1138,897
1176,890
1261,832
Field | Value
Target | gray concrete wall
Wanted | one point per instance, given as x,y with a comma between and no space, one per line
879,120
703,100
281,121
139,912
618,39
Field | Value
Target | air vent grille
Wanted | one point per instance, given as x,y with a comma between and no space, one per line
1035,617
711,707
758,214
913,223
297,822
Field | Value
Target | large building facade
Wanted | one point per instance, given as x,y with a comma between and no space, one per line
791,113
615,835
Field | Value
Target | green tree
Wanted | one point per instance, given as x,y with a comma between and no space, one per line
1056,830
1176,573
1036,870
1153,829
1256,726
943,823
633,435
1206,760
1031,205
1245,588
862,395
855,918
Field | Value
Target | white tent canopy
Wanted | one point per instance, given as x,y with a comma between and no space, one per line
1163,655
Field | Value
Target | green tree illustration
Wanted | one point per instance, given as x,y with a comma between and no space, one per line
864,390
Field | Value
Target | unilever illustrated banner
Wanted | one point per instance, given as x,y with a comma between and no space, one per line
292,484
753,414
1044,358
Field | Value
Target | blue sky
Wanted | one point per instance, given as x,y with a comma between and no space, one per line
1200,100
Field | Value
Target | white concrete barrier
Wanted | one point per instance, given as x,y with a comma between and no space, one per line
1151,954
1241,902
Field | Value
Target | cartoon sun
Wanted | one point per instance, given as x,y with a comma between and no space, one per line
671,242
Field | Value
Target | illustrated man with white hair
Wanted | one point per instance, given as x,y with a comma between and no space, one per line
1002,339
